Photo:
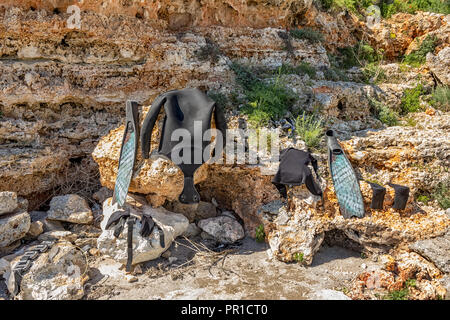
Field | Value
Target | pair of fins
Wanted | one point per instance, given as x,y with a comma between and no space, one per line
346,184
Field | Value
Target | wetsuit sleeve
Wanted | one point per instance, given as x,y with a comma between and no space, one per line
148,125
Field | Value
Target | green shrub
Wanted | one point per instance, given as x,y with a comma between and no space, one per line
411,6
259,233
298,257
410,101
220,98
302,68
307,34
372,71
423,198
385,114
309,129
442,194
335,74
265,101
417,57
440,98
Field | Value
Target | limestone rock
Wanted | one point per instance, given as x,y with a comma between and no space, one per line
57,235
435,250
58,274
327,294
144,249
36,228
13,227
407,272
223,229
439,64
192,231
70,208
201,210
8,202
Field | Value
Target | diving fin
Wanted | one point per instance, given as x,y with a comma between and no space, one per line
128,153
378,193
401,196
345,183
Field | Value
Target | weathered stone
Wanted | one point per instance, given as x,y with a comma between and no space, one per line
70,208
192,231
8,202
58,274
223,229
144,249
196,211
58,235
436,250
102,194
327,294
439,64
406,271
13,227
36,228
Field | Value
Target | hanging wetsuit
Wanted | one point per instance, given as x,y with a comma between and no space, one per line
188,109
294,170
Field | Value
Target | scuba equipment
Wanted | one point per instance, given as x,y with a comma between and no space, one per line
128,152
345,183
26,262
378,193
293,170
188,109
401,196
127,161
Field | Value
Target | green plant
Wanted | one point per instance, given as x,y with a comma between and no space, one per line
259,233
385,114
309,129
417,57
442,194
411,6
298,256
373,72
423,198
220,98
440,98
265,101
410,283
335,74
410,101
401,294
307,34
302,68
409,122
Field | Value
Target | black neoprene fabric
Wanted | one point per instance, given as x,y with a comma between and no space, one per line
294,170
182,109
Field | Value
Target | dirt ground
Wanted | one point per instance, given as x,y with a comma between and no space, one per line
194,271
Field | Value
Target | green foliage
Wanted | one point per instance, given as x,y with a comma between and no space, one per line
260,235
265,101
358,55
423,198
403,293
302,68
298,257
373,72
417,57
411,6
440,98
442,194
220,98
307,34
335,74
309,129
410,101
385,114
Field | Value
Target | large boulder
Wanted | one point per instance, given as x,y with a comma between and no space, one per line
58,274
144,249
439,64
13,227
436,250
70,208
8,202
